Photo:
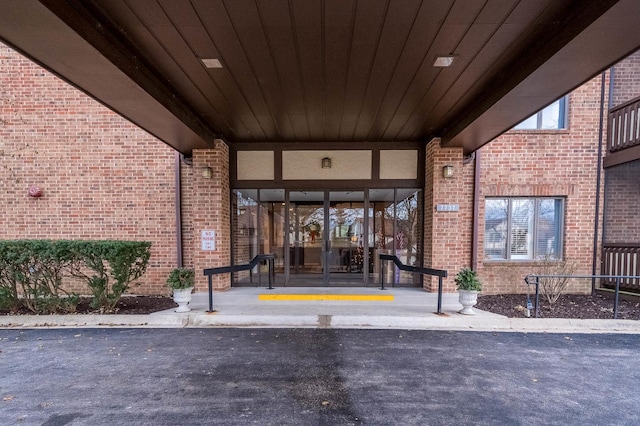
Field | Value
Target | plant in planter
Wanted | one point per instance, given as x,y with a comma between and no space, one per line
181,280
469,286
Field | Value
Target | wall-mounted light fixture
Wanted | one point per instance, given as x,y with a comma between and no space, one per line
207,173
326,163
447,171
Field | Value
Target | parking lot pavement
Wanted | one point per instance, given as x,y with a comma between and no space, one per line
315,377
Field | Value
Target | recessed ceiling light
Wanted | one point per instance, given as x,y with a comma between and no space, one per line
444,61
211,63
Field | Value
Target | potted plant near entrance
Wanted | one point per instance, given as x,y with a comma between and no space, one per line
469,286
181,280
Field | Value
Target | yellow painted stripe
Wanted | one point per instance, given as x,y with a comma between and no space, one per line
326,297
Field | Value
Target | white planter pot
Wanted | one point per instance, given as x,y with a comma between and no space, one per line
182,297
467,298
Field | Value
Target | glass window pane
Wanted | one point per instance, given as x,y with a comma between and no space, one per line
408,233
272,230
408,223
551,116
549,228
245,224
521,229
495,228
529,123
381,200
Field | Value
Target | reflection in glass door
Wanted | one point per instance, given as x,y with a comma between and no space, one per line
347,258
327,238
306,236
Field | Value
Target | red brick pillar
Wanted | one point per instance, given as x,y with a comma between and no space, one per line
447,233
210,212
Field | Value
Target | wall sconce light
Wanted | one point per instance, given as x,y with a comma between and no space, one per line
207,173
447,171
326,163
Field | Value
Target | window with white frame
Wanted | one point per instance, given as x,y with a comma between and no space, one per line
552,117
523,228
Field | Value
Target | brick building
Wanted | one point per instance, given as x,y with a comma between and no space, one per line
103,177
326,134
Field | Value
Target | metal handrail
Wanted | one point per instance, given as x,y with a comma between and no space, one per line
440,273
531,277
210,272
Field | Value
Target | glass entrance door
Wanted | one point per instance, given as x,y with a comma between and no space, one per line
307,237
327,238
346,235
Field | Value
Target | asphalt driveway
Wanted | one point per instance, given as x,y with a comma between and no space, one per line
315,377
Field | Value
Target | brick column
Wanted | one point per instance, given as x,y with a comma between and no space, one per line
447,234
210,211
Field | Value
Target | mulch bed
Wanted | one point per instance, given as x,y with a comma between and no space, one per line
567,306
126,305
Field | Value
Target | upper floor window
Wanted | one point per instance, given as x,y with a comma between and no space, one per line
523,228
552,117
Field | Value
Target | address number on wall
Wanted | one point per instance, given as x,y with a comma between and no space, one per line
447,207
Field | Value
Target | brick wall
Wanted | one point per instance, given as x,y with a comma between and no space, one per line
447,234
547,163
210,210
101,176
626,80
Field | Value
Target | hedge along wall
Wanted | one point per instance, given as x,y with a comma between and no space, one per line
34,274
101,177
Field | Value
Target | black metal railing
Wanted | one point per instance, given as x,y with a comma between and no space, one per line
237,268
440,273
533,279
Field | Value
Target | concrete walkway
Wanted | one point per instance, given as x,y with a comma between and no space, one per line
409,309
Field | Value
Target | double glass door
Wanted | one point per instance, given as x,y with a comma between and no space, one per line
327,238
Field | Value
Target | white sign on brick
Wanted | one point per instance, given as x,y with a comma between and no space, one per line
208,239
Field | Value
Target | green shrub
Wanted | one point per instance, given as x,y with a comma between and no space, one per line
109,268
467,279
33,272
9,276
181,278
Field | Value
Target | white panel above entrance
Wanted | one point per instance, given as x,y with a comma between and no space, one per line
398,164
255,165
345,165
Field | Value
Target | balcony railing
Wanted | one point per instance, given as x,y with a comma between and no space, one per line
624,126
622,259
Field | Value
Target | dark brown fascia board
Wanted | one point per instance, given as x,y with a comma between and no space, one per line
620,157
489,114
333,146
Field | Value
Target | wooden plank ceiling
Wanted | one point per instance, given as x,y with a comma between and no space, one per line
331,71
